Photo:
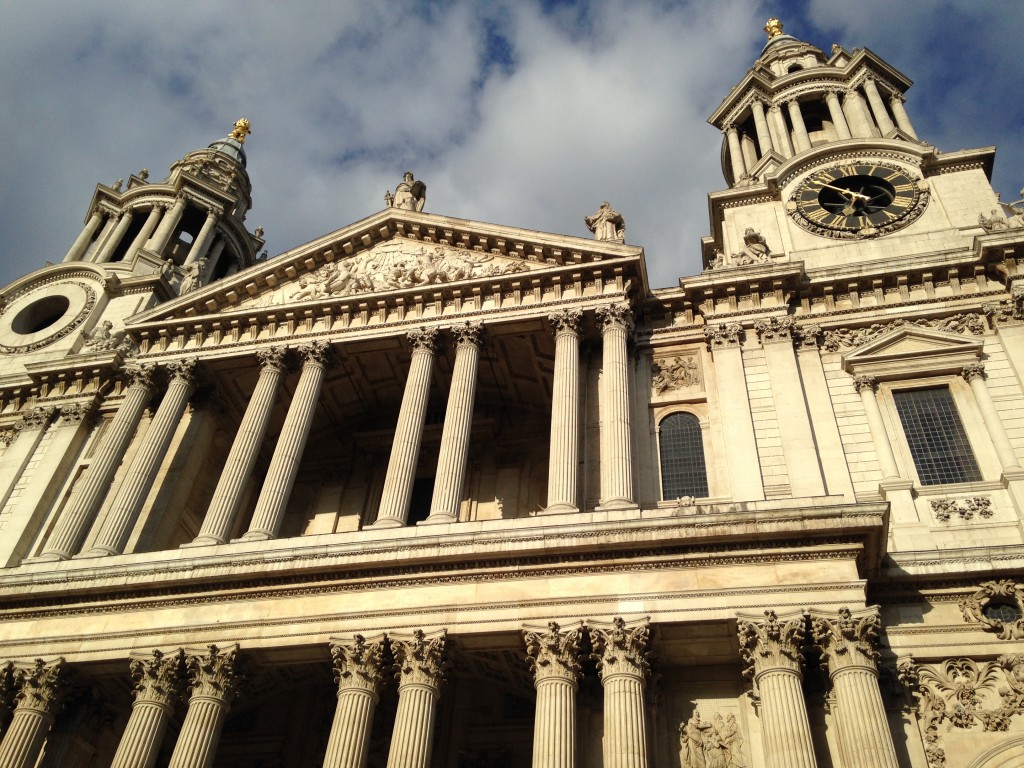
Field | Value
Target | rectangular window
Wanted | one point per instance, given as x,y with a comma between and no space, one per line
936,436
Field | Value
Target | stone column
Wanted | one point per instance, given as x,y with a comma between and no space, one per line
8,693
158,683
202,241
405,451
865,386
885,124
214,677
739,168
42,687
554,659
616,436
215,252
974,374
227,498
357,670
108,226
291,443
800,138
900,113
772,653
81,509
776,121
622,663
458,424
145,233
857,115
163,233
125,508
114,240
835,110
81,244
849,647
564,453
421,665
764,137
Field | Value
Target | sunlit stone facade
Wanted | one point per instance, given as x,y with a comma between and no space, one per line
434,492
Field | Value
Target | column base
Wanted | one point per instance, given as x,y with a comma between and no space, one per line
95,552
385,522
50,557
561,508
254,536
616,504
438,519
202,541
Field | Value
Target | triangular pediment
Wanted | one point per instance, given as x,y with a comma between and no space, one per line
913,350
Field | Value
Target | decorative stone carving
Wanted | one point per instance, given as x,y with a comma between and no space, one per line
217,673
42,686
103,338
755,249
944,509
850,338
860,383
675,373
410,195
468,333
157,677
192,276
997,222
607,224
615,314
554,653
723,335
8,689
140,375
775,329
973,371
999,607
621,650
715,743
424,339
807,336
421,661
272,357
1006,311
359,664
964,692
76,413
771,644
565,321
35,418
849,640
8,435
317,352
184,370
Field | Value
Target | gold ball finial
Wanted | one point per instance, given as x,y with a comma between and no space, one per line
242,129
773,28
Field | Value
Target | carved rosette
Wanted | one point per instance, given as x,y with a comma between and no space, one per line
723,335
469,334
973,371
807,336
566,321
944,509
76,413
43,686
861,383
359,664
35,418
619,316
773,329
621,650
141,375
980,606
183,371
771,645
315,353
272,358
216,674
158,678
554,653
423,340
421,661
848,641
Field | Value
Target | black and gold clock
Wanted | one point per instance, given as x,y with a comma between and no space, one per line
858,200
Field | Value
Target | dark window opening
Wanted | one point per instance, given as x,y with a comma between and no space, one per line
938,443
681,445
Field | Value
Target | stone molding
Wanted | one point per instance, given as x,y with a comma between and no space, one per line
566,321
421,660
359,664
994,593
839,339
554,653
157,677
849,641
772,644
215,673
620,649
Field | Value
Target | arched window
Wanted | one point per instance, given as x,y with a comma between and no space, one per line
683,472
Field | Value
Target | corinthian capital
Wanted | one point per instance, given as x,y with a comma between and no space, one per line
158,677
423,340
553,653
775,328
359,664
621,650
849,640
468,333
140,375
8,688
566,321
723,335
421,660
315,353
184,370
43,686
772,644
973,371
272,358
615,316
217,673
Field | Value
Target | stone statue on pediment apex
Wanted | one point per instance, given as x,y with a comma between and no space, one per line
607,224
994,223
410,195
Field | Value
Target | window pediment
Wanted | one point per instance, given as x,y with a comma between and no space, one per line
912,351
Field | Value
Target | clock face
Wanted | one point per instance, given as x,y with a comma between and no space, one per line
857,200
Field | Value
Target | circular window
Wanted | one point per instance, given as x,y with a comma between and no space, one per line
1007,613
40,315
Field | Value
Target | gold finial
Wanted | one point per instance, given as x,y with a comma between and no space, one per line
242,129
773,28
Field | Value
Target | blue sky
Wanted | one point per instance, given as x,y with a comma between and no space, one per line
525,113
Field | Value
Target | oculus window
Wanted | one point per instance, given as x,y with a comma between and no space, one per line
936,436
681,446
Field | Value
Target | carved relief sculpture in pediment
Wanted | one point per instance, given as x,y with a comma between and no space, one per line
849,338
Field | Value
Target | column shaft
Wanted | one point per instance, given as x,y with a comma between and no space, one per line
835,110
215,252
735,154
81,244
885,124
857,115
24,738
777,124
82,507
197,743
784,725
140,744
100,242
115,239
349,742
166,228
202,241
764,137
800,138
879,436
227,498
616,435
975,375
145,233
284,465
412,741
125,508
625,728
863,726
554,734
564,453
900,113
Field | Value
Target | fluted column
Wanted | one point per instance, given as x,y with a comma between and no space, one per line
162,236
885,124
405,451
974,375
114,240
764,137
81,509
145,233
735,154
81,244
772,653
214,677
202,241
900,113
616,436
42,687
421,665
865,386
621,655
125,508
158,681
800,138
554,658
291,443
564,453
835,110
849,646
227,498
358,671
458,424
777,124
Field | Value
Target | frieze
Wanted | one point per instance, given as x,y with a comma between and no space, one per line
675,373
966,509
999,607
851,338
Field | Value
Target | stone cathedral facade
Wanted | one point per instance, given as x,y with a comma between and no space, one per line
427,491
